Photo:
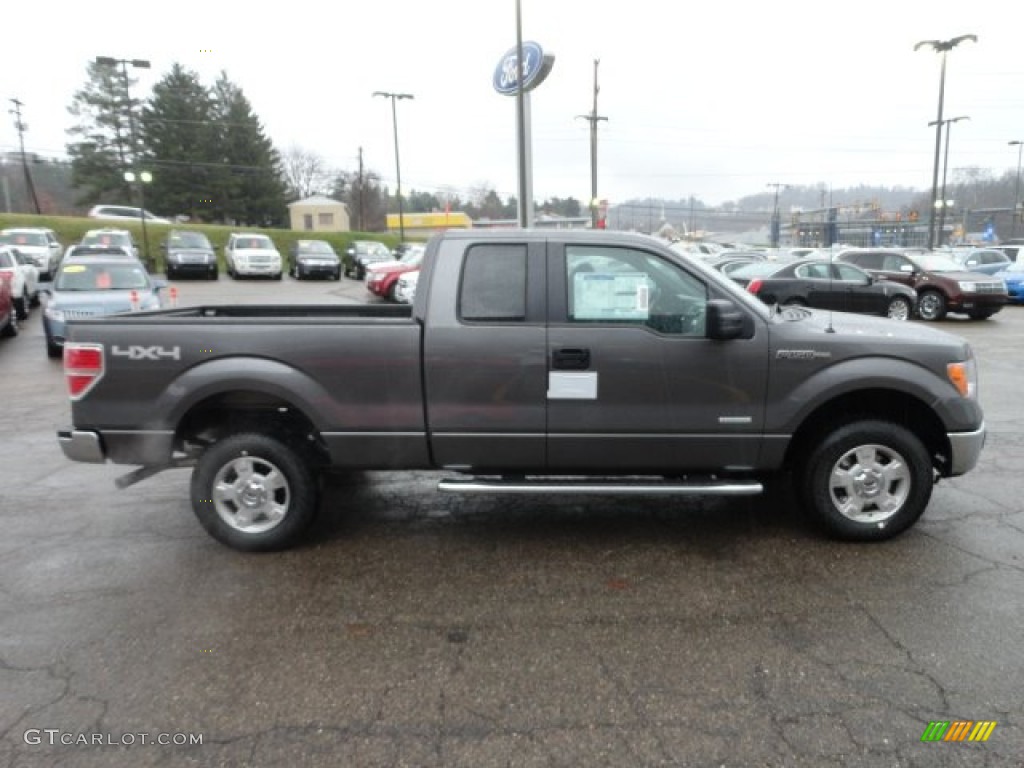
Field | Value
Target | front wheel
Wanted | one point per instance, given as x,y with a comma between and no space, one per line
931,306
867,481
253,493
899,308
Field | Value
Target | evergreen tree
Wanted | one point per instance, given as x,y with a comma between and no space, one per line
252,191
103,148
179,139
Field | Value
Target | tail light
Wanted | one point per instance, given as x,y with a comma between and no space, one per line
755,285
83,368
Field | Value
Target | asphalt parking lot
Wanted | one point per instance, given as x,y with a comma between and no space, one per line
415,629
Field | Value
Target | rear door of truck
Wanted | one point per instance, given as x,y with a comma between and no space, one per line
485,353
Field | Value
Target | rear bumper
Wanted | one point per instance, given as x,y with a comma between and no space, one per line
966,449
141,447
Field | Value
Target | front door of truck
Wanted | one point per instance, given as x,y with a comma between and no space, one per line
634,384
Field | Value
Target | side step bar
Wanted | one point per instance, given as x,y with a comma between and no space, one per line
603,485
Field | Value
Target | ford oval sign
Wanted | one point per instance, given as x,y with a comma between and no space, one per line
535,68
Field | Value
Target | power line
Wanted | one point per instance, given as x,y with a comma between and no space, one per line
21,128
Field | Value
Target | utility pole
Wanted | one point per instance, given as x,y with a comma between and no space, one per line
21,128
361,226
776,224
593,118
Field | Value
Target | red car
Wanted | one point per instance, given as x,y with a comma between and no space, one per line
382,279
8,314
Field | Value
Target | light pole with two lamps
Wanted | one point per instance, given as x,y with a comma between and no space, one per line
942,203
398,166
940,46
1016,189
144,178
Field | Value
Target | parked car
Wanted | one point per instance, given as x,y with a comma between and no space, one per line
1012,250
188,253
112,237
125,213
361,253
39,244
24,279
382,279
95,286
1013,277
8,312
405,289
113,251
308,258
251,254
942,285
823,284
985,260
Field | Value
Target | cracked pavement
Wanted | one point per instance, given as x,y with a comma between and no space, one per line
415,629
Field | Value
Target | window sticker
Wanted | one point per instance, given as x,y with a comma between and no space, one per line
611,296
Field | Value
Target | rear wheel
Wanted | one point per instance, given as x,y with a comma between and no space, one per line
11,329
867,481
795,302
21,306
931,306
253,492
899,308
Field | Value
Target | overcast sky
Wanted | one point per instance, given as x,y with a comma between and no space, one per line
716,100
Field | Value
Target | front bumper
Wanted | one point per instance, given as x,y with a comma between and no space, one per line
966,449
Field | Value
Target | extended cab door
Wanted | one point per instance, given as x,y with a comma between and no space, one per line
634,384
485,353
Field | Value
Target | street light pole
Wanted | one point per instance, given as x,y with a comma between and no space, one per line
143,178
940,46
398,166
776,224
945,168
1016,191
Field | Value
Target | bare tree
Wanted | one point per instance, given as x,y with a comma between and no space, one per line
305,172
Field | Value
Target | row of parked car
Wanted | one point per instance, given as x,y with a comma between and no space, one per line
897,283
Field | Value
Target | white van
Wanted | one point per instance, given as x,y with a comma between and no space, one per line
124,213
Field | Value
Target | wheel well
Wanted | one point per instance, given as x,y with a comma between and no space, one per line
878,404
228,413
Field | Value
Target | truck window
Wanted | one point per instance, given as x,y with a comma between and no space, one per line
494,283
627,286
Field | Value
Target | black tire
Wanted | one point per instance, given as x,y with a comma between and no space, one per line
900,308
11,329
337,274
213,274
276,505
981,315
858,470
170,272
54,351
21,306
794,302
931,306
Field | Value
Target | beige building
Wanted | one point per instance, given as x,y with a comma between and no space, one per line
319,214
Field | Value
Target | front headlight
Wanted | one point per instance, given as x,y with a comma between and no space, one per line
967,286
54,314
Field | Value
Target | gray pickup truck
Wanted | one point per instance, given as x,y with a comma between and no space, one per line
530,362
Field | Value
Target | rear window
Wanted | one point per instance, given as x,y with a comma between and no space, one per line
494,283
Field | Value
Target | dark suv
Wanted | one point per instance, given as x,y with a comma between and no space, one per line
942,285
189,253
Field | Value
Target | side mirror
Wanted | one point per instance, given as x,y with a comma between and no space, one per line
46,288
724,320
159,285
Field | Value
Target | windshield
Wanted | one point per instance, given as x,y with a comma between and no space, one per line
936,262
22,238
254,241
101,277
106,238
315,246
189,240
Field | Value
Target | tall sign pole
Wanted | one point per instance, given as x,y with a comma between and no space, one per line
519,71
594,118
